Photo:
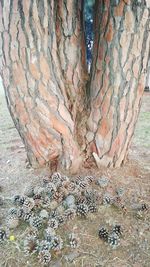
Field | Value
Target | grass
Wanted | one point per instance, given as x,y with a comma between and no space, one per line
142,130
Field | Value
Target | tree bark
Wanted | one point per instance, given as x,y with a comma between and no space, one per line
43,72
43,66
120,56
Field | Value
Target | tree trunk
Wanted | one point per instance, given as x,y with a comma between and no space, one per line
43,72
42,63
120,56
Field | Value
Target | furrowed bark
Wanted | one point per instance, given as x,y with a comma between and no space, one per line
120,58
71,50
41,98
42,63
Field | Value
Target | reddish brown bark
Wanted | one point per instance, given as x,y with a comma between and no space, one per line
117,78
43,75
42,63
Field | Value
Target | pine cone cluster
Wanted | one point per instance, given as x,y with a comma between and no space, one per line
48,206
112,237
89,199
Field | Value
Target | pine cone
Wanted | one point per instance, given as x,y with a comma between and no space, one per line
56,179
71,187
92,196
81,200
12,211
117,229
27,216
144,207
103,233
49,234
92,207
18,200
56,243
43,245
29,191
12,221
1,201
78,180
39,190
58,196
37,197
44,257
82,209
107,199
50,188
28,205
20,213
70,214
45,181
44,214
82,184
36,222
60,219
73,241
45,202
89,179
54,214
65,180
2,235
113,239
53,223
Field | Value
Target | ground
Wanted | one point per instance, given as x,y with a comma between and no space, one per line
133,178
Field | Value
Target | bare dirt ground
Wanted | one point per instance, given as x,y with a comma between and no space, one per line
133,178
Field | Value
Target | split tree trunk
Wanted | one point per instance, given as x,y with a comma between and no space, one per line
121,49
42,63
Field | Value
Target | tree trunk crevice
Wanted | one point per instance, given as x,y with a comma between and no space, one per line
63,114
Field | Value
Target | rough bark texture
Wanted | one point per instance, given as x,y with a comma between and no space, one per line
120,56
42,63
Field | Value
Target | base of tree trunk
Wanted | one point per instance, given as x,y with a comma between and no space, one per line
65,115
